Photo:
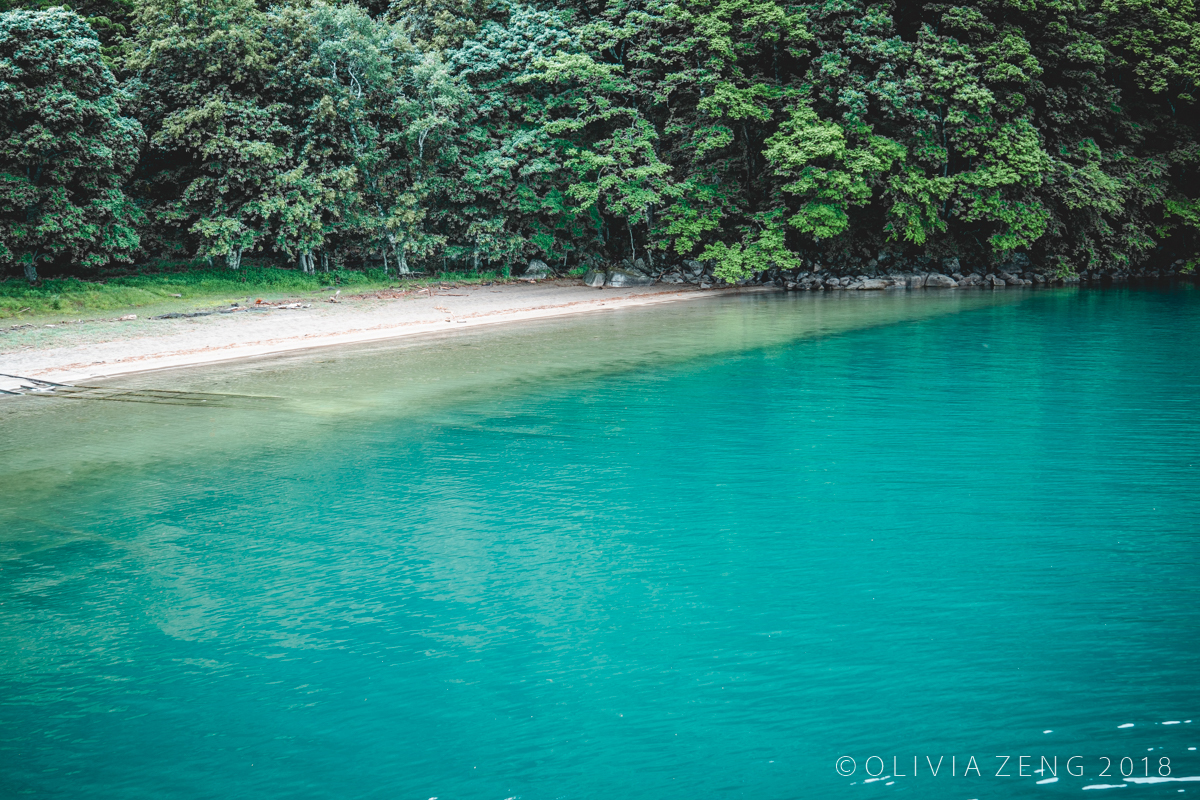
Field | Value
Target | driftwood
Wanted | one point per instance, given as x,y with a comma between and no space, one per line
43,388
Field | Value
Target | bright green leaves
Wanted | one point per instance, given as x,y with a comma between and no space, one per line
734,103
826,172
998,193
732,29
694,214
763,246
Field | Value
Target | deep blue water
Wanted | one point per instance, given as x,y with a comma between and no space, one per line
689,551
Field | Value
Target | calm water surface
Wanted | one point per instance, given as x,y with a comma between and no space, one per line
700,550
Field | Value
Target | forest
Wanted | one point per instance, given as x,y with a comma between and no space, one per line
480,134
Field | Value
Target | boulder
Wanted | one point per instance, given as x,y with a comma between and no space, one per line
916,281
950,264
594,278
873,284
536,270
939,281
626,277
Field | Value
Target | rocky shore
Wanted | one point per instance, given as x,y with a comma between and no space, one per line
877,274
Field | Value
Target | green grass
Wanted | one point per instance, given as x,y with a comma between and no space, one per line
74,297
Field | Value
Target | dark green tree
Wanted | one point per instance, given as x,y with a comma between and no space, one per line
66,150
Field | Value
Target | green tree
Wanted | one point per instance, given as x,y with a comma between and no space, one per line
65,148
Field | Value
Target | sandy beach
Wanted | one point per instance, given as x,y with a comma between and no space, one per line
81,350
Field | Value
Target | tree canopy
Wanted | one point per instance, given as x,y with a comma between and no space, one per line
753,134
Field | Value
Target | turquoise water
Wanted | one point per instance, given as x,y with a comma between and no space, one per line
697,550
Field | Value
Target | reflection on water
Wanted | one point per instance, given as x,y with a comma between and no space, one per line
696,549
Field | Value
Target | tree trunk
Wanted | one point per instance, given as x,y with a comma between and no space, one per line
402,256
234,258
31,270
324,261
385,261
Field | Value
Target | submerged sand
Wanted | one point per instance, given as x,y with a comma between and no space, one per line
68,352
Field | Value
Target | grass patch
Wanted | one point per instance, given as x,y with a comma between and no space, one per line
72,296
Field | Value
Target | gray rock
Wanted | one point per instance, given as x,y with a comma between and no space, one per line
625,277
695,267
939,281
536,270
950,265
916,281
594,278
997,282
873,284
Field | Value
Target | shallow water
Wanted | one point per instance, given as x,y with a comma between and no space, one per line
695,550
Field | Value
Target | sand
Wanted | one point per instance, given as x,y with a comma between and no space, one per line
78,351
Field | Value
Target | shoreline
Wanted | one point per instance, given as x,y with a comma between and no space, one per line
91,352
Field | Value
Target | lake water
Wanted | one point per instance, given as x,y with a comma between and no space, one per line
697,550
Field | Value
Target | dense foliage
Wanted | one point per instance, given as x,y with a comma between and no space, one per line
481,133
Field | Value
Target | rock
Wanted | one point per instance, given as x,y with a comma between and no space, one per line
640,266
950,265
625,277
536,270
916,281
939,281
997,282
594,278
1009,278
873,284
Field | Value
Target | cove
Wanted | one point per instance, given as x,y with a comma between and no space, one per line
695,550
